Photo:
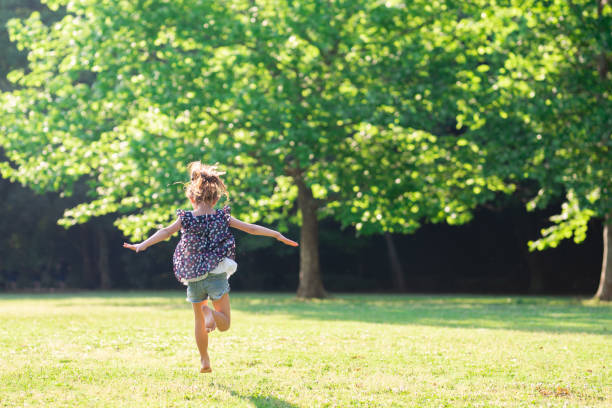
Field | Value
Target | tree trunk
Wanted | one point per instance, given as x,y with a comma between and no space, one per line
88,269
310,285
536,274
604,292
522,232
396,267
103,264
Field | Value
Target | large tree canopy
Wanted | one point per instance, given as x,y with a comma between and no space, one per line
347,108
542,111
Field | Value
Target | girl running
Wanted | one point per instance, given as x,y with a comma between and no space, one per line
204,257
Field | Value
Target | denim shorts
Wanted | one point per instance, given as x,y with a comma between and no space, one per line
213,286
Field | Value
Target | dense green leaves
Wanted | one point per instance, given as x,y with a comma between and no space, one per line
357,99
390,112
543,109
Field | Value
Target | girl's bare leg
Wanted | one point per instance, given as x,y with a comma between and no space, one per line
201,337
222,314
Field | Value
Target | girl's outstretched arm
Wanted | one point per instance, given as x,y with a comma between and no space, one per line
255,229
160,235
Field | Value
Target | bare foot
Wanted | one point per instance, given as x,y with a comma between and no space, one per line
205,362
209,321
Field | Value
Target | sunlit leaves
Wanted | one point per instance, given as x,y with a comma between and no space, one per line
553,98
571,222
367,102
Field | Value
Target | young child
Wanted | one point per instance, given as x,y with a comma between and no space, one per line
204,257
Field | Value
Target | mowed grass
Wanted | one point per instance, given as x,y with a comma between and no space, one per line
136,349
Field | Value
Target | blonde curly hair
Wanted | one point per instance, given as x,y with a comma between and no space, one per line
205,184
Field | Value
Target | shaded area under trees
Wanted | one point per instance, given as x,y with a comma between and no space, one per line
487,255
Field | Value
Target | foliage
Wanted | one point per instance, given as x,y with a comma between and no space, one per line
543,111
11,56
573,117
355,98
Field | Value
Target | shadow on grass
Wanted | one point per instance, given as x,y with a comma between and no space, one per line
260,401
549,314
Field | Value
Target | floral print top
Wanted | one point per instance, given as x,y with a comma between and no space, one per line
205,241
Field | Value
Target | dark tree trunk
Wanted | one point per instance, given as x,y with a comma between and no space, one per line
397,272
89,275
310,285
604,292
522,232
536,274
103,264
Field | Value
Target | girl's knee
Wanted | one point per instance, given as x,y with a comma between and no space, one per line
224,328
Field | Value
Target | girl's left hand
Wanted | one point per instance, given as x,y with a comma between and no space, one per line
286,240
137,247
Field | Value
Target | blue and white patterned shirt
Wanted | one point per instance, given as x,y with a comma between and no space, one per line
205,241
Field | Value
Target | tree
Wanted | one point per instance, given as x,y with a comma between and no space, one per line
344,108
543,113
11,57
29,255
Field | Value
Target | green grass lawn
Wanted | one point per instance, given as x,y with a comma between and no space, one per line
136,349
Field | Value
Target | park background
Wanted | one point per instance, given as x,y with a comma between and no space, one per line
417,150
487,254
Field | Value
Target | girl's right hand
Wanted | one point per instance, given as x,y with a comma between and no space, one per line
286,240
137,247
